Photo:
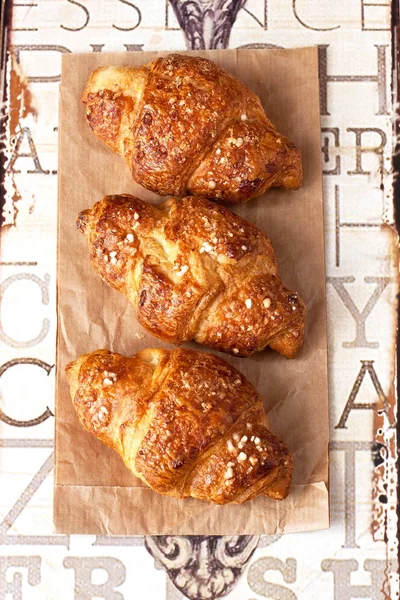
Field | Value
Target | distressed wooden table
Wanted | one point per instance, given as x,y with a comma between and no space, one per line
357,556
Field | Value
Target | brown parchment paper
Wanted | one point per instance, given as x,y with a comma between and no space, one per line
94,492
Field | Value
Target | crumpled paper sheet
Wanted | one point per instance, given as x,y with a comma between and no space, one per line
94,492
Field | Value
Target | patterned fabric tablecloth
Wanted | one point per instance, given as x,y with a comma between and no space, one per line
357,556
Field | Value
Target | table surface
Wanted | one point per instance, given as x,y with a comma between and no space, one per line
357,556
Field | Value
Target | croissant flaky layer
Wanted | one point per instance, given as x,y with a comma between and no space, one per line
195,271
185,126
186,423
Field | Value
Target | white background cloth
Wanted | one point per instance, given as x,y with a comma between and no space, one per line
349,560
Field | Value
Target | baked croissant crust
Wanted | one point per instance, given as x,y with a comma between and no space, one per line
184,422
185,126
194,271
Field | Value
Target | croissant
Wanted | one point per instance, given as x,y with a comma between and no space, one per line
185,126
184,422
194,271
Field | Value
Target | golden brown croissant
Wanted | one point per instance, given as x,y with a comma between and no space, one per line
185,126
184,422
194,271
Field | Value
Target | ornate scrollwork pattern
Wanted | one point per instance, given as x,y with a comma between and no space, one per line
202,567
207,24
